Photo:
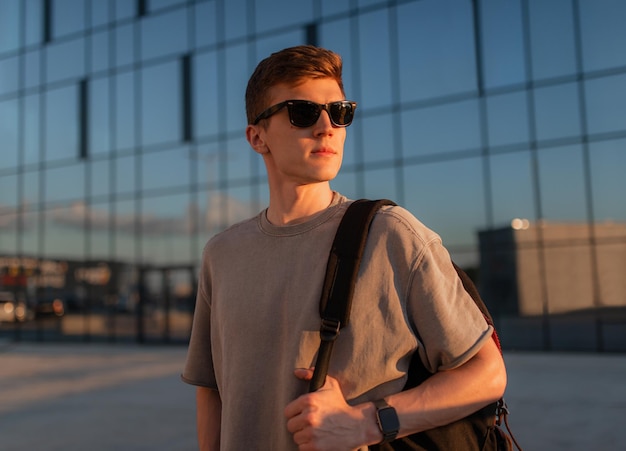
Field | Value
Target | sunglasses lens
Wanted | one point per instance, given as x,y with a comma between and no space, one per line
341,113
303,114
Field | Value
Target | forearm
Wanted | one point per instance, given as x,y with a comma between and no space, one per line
208,418
451,395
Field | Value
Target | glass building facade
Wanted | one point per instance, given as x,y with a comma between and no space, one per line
123,150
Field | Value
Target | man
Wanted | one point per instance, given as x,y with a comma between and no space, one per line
256,324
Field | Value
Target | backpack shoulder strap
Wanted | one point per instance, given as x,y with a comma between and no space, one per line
342,272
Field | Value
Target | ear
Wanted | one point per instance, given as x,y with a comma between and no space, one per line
254,135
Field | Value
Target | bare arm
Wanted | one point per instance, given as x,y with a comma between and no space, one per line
323,419
208,418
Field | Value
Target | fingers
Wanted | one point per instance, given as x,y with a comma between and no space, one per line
305,374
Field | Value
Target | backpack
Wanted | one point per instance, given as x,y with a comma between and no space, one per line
478,431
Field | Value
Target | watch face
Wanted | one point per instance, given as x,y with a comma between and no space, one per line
388,419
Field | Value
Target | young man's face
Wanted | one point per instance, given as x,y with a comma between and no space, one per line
295,155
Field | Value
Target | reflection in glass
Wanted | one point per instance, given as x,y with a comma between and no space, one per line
65,60
502,43
436,50
608,182
99,116
8,75
442,128
61,123
562,184
8,134
155,43
165,169
511,188
606,104
449,198
206,94
375,70
552,38
556,111
124,132
507,119
161,104
64,231
65,183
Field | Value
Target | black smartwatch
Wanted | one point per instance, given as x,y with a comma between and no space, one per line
387,420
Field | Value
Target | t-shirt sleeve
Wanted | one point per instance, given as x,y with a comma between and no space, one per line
198,368
450,328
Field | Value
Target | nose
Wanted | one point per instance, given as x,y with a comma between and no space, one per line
323,125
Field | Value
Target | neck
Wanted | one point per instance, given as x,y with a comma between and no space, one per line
295,206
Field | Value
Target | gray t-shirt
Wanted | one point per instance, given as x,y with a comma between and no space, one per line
257,317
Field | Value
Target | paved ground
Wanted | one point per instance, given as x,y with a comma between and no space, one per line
125,397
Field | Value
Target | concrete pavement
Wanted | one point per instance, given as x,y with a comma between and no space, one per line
128,397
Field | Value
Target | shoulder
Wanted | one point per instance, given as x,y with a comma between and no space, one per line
234,235
396,221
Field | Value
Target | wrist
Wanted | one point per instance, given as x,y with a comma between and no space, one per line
387,420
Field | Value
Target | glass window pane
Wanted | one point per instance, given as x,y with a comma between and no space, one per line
31,189
32,64
502,42
64,232
236,82
608,161
33,22
511,188
61,123
428,130
100,12
436,49
561,181
155,5
124,233
280,13
205,27
165,229
165,169
379,184
68,16
375,64
336,36
32,129
65,183
603,31
458,186
124,44
9,25
606,104
65,60
239,160
8,75
207,159
99,116
206,90
125,9
30,232
331,7
100,51
155,43
124,131
99,233
552,38
100,178
557,112
235,23
125,174
377,145
9,115
8,193
507,119
161,104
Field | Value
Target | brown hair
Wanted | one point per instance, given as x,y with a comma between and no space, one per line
289,66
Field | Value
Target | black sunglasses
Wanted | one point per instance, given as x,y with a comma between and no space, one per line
303,113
